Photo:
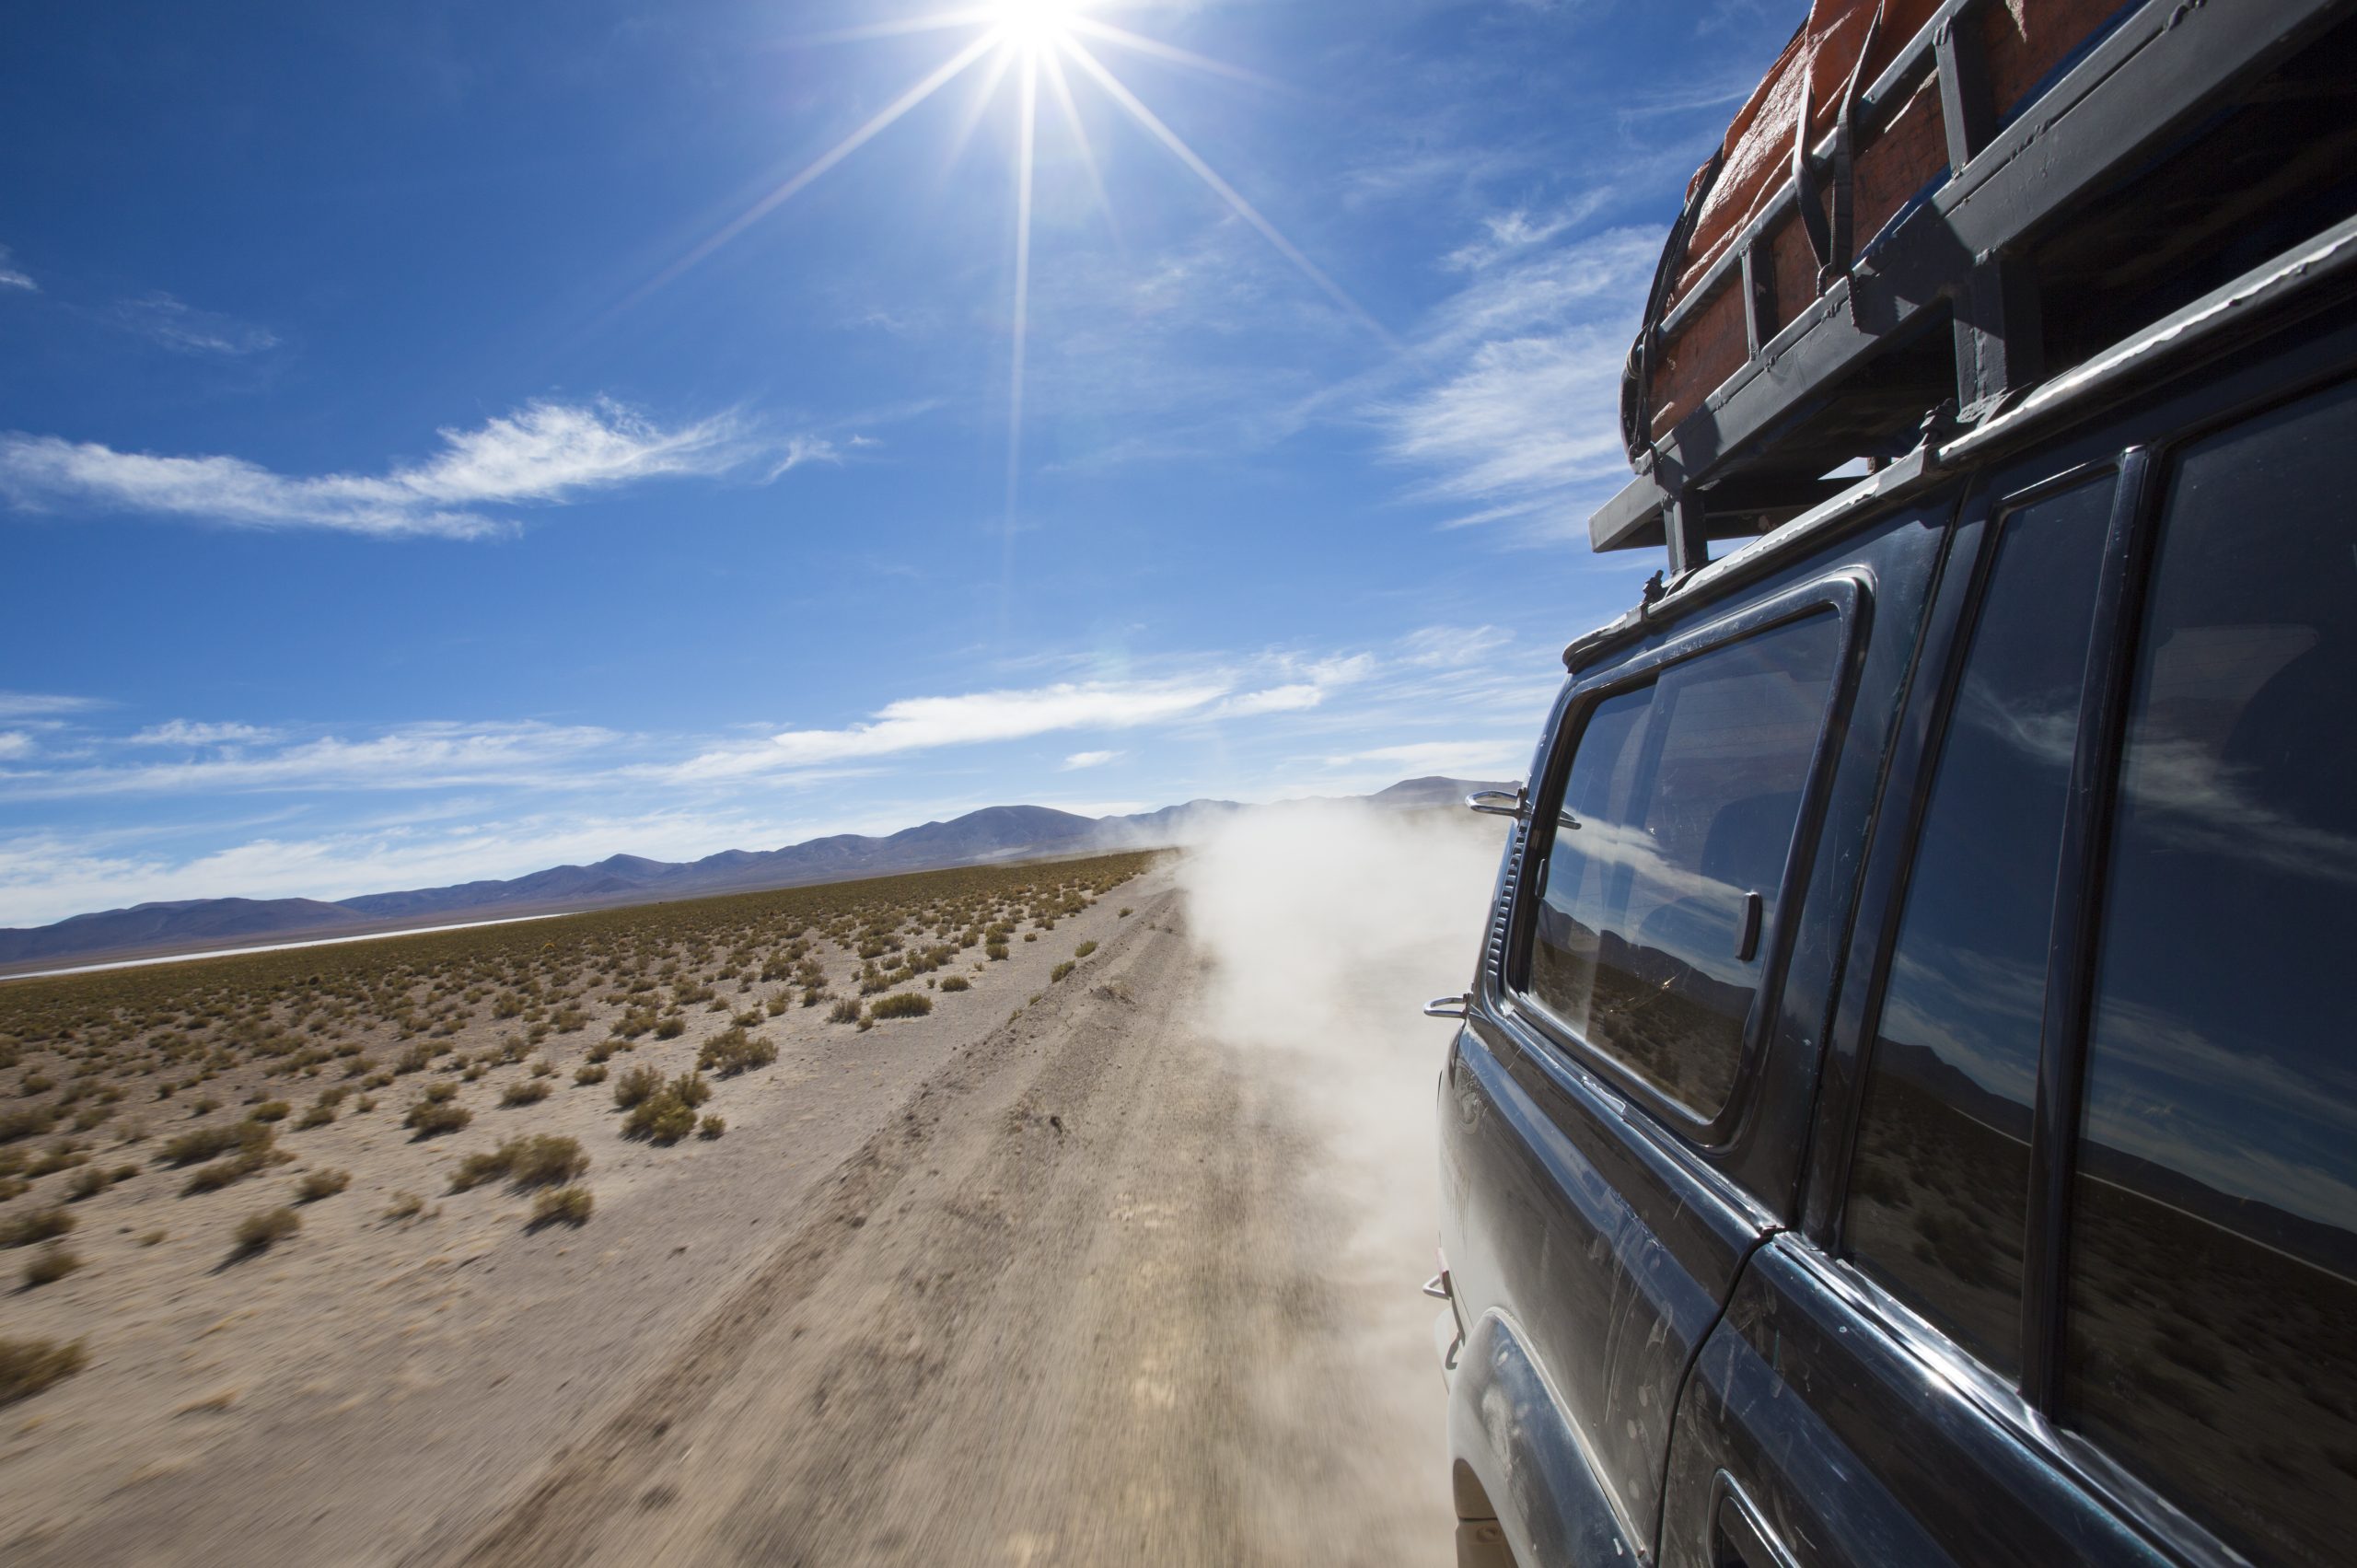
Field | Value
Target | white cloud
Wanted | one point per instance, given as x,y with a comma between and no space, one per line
429,756
1442,647
11,278
1487,757
801,449
542,454
166,321
186,732
919,723
1089,760
1522,416
15,743
1505,234
40,704
1274,700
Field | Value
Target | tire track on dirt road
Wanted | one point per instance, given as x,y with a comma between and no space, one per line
1076,1306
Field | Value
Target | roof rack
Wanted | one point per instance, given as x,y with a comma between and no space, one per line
2141,173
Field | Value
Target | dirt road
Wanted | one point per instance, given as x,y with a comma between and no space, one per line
1095,1284
1079,1302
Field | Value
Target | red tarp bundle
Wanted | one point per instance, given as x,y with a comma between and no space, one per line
2021,42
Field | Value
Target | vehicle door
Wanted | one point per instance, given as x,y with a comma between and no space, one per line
1620,1041
2080,1261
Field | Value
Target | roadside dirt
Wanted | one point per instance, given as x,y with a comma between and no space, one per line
1074,1289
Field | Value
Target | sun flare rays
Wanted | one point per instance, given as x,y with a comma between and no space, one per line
1024,41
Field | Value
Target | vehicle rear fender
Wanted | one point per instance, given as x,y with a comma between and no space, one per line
1507,1425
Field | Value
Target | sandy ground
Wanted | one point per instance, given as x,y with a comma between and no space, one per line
1076,1288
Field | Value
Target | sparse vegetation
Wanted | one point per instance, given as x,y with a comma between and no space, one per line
265,1228
51,1264
27,1366
431,1117
711,1127
1084,950
733,1051
956,983
404,1206
565,1205
538,1161
319,1184
902,1004
668,1115
530,1091
42,1224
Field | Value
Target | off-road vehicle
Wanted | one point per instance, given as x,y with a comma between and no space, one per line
1906,1112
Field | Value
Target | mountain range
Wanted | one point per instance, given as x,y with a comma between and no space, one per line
993,833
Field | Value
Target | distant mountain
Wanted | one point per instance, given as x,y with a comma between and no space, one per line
994,833
190,922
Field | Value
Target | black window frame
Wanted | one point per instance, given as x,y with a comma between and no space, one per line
1848,594
2142,441
1994,513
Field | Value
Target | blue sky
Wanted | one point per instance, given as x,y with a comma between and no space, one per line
430,448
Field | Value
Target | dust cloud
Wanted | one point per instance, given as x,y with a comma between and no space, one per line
1325,927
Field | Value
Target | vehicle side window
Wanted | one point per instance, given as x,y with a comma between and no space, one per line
2213,1264
1661,878
1939,1185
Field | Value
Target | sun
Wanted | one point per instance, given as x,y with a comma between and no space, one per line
1047,47
1038,24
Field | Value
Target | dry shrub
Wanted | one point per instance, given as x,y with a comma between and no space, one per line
532,1091
428,1118
902,1004
712,1126
669,1114
636,1086
322,1184
1084,950
42,1224
541,1161
733,1051
589,1073
566,1205
51,1264
265,1228
27,1366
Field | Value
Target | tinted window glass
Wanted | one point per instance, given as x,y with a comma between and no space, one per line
2214,1254
1941,1179
1679,812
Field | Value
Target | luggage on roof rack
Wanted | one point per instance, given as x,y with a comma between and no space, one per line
1929,206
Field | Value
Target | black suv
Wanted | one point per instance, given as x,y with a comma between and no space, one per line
1907,1109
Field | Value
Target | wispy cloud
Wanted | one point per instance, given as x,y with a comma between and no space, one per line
923,724
10,277
15,743
169,323
427,755
1522,417
1079,760
186,732
545,453
43,704
1500,756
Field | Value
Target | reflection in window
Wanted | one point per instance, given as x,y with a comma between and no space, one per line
1663,876
1941,1178
2214,1278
